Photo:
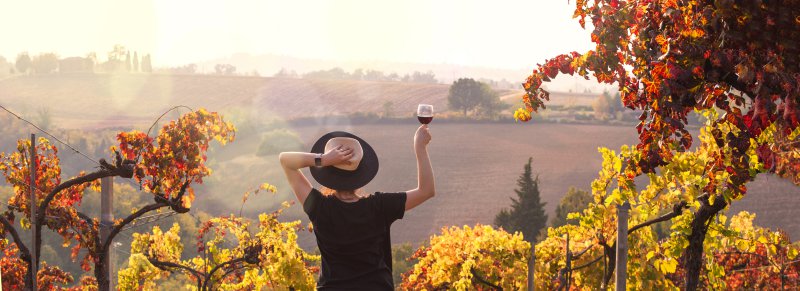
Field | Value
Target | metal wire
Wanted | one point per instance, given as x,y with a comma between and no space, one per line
767,266
149,219
49,134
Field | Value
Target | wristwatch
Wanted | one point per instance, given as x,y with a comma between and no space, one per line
318,160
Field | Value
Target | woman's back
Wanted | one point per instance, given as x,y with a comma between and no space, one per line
353,238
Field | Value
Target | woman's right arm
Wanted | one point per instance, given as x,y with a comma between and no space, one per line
426,187
292,162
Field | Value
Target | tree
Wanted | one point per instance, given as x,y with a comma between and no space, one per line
334,73
147,65
135,61
491,106
669,59
118,60
466,94
44,63
373,75
128,62
283,73
527,211
479,258
45,119
23,63
358,74
166,167
6,67
428,77
388,109
602,107
188,69
575,201
224,69
91,59
616,103
118,53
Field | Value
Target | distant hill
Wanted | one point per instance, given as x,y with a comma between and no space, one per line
104,100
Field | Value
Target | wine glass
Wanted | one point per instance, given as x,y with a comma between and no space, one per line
425,113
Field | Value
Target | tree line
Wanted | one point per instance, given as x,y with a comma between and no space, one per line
361,75
119,59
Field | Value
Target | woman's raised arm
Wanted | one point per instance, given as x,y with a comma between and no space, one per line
426,187
292,162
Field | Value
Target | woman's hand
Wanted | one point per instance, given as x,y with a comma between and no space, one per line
422,137
337,156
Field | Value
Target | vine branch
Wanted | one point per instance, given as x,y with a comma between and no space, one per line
7,226
482,280
164,265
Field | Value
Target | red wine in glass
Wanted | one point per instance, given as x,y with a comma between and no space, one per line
425,113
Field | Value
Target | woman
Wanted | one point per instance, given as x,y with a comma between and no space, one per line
352,229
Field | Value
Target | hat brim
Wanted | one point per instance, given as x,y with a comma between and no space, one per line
338,179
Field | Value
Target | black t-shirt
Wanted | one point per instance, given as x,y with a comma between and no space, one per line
353,239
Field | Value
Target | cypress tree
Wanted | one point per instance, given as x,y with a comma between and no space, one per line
135,62
128,62
526,214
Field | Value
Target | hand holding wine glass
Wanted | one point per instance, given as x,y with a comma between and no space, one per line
422,137
425,113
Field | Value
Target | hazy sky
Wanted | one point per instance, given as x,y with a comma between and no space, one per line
501,34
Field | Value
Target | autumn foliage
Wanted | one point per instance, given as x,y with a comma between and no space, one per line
470,258
672,57
736,253
61,216
734,61
268,258
170,162
165,165
753,257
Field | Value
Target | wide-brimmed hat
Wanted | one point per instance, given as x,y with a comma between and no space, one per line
361,170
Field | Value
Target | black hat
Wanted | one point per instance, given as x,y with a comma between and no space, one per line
341,179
